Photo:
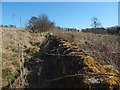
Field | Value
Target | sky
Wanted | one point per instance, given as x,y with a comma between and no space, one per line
119,13
65,14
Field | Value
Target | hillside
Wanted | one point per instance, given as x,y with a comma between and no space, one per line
65,59
13,41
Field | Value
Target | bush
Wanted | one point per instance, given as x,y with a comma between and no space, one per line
40,24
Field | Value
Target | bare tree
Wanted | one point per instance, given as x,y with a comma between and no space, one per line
95,22
41,23
32,22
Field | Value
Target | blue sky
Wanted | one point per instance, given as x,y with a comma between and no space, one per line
64,14
119,13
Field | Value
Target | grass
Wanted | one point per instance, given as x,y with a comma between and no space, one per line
103,47
11,37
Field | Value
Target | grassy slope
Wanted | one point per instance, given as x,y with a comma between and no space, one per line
11,37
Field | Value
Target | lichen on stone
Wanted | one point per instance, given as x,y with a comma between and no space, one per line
94,74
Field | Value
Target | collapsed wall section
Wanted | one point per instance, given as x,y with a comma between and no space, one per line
67,65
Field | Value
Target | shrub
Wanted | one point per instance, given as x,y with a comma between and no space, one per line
40,24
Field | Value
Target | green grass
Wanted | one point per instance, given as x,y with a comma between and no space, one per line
8,76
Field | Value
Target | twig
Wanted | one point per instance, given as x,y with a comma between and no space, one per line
76,75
